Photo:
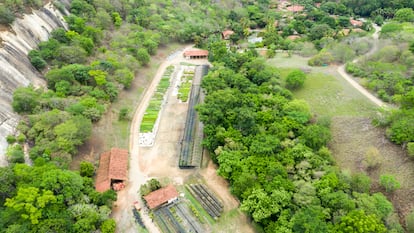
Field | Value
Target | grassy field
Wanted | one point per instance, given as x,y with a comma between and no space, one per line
353,135
331,96
326,92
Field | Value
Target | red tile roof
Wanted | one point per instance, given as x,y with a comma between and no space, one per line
195,53
113,165
161,196
295,8
356,23
227,33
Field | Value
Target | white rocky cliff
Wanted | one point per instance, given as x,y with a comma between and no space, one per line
15,68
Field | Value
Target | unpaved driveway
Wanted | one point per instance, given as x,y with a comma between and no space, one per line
161,159
356,85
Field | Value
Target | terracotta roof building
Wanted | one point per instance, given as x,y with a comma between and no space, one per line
113,167
295,8
196,54
225,35
161,196
356,23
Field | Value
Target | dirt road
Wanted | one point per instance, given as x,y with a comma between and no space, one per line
122,211
356,85
160,160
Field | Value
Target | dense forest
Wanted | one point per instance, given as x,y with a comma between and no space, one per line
266,143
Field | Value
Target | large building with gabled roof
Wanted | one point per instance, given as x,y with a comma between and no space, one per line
113,168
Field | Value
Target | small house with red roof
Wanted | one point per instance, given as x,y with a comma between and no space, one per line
113,169
225,35
356,23
161,196
196,54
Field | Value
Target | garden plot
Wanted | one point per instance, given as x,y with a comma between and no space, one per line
150,121
211,204
185,84
191,152
177,218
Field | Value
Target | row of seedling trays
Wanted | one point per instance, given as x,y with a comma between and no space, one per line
207,199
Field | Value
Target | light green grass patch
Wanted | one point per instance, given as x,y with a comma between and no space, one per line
332,96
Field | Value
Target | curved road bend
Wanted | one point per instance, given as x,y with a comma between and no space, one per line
356,85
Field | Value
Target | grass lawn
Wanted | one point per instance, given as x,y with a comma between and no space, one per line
327,93
331,96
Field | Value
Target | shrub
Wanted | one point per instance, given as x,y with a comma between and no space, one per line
410,149
372,158
295,79
38,62
86,169
409,221
389,183
15,154
10,139
108,226
21,138
361,183
123,114
6,16
321,59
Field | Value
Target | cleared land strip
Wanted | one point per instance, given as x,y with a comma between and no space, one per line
189,145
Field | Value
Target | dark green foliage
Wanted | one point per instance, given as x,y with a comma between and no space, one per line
49,198
86,169
401,129
143,56
10,139
38,62
404,15
8,184
123,114
150,186
15,154
6,15
316,136
25,99
361,183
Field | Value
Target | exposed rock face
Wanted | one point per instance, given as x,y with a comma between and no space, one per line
15,68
